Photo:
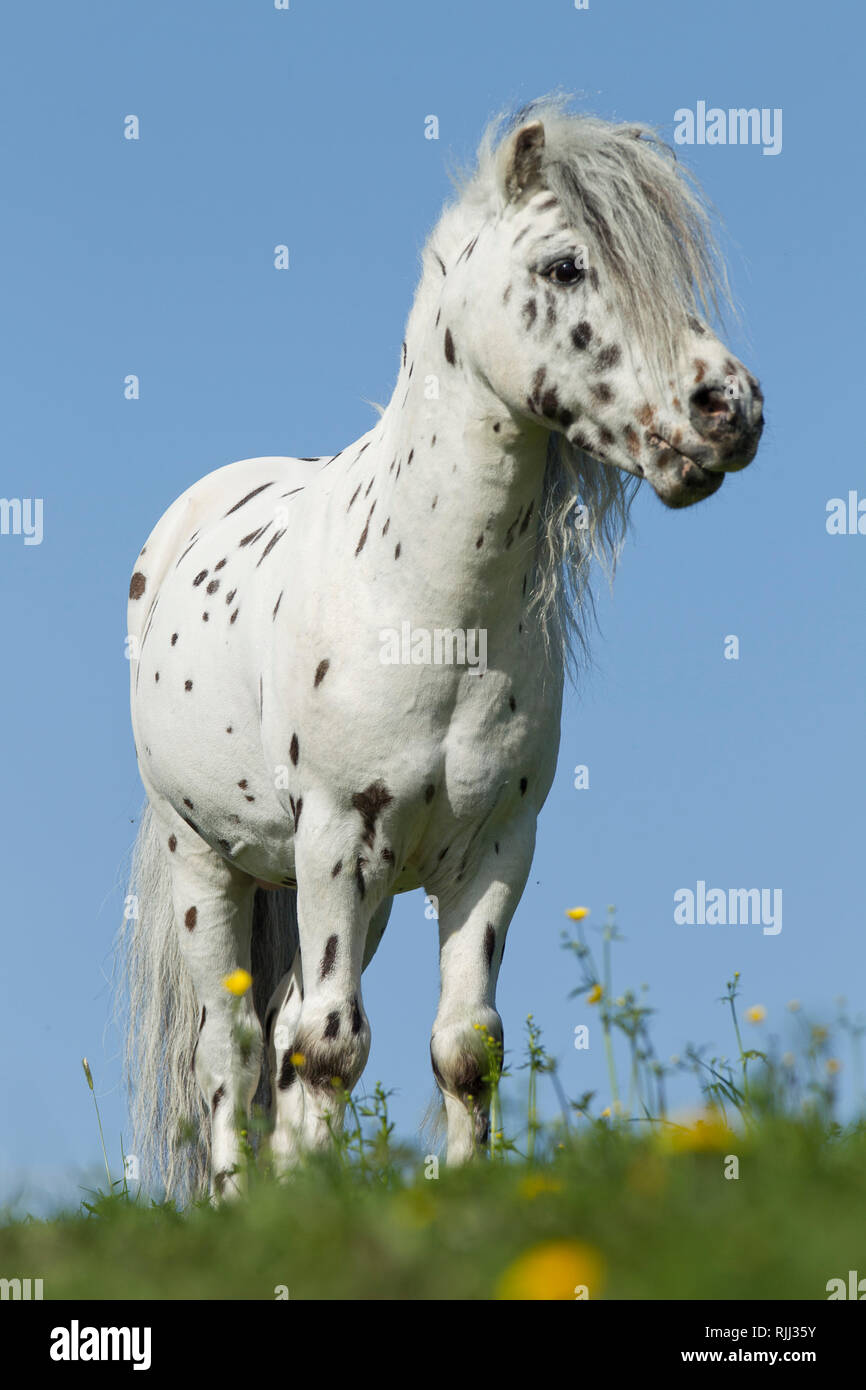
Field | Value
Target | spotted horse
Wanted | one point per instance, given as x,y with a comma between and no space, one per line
558,351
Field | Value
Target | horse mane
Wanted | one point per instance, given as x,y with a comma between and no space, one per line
651,228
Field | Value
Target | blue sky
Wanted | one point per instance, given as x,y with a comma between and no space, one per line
155,257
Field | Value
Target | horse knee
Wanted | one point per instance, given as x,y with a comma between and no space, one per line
461,1054
334,1043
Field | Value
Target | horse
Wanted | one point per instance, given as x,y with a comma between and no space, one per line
558,351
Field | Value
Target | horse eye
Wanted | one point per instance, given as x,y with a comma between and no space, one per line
567,272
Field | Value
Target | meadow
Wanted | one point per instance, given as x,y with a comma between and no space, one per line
757,1193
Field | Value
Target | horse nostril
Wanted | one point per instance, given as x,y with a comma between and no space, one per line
712,403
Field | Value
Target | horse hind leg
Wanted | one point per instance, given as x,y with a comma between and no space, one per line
213,905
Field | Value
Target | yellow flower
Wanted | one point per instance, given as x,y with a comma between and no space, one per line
297,1059
819,1034
703,1131
756,1014
537,1183
606,1113
553,1270
833,1065
238,982
594,994
577,914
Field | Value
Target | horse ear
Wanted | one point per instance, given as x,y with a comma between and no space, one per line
523,161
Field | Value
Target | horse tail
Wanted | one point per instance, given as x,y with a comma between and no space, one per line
170,1136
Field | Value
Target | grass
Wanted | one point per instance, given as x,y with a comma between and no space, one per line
759,1194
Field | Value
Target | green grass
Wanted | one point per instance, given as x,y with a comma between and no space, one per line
630,1204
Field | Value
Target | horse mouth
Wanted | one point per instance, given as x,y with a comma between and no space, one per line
686,483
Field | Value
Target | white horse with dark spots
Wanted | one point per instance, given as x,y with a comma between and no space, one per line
558,351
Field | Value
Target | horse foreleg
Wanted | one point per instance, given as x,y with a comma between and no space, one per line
473,923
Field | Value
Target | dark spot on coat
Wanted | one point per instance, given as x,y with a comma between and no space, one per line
277,536
276,605
356,1016
255,492
608,357
449,347
602,392
489,943
581,336
217,1097
213,586
288,1075
336,869
137,585
397,551
530,309
190,918
294,749
354,495
363,539
321,671
370,803
172,843
332,1027
187,685
173,638
200,578
329,958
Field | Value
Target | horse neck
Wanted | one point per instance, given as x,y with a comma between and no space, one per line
460,479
